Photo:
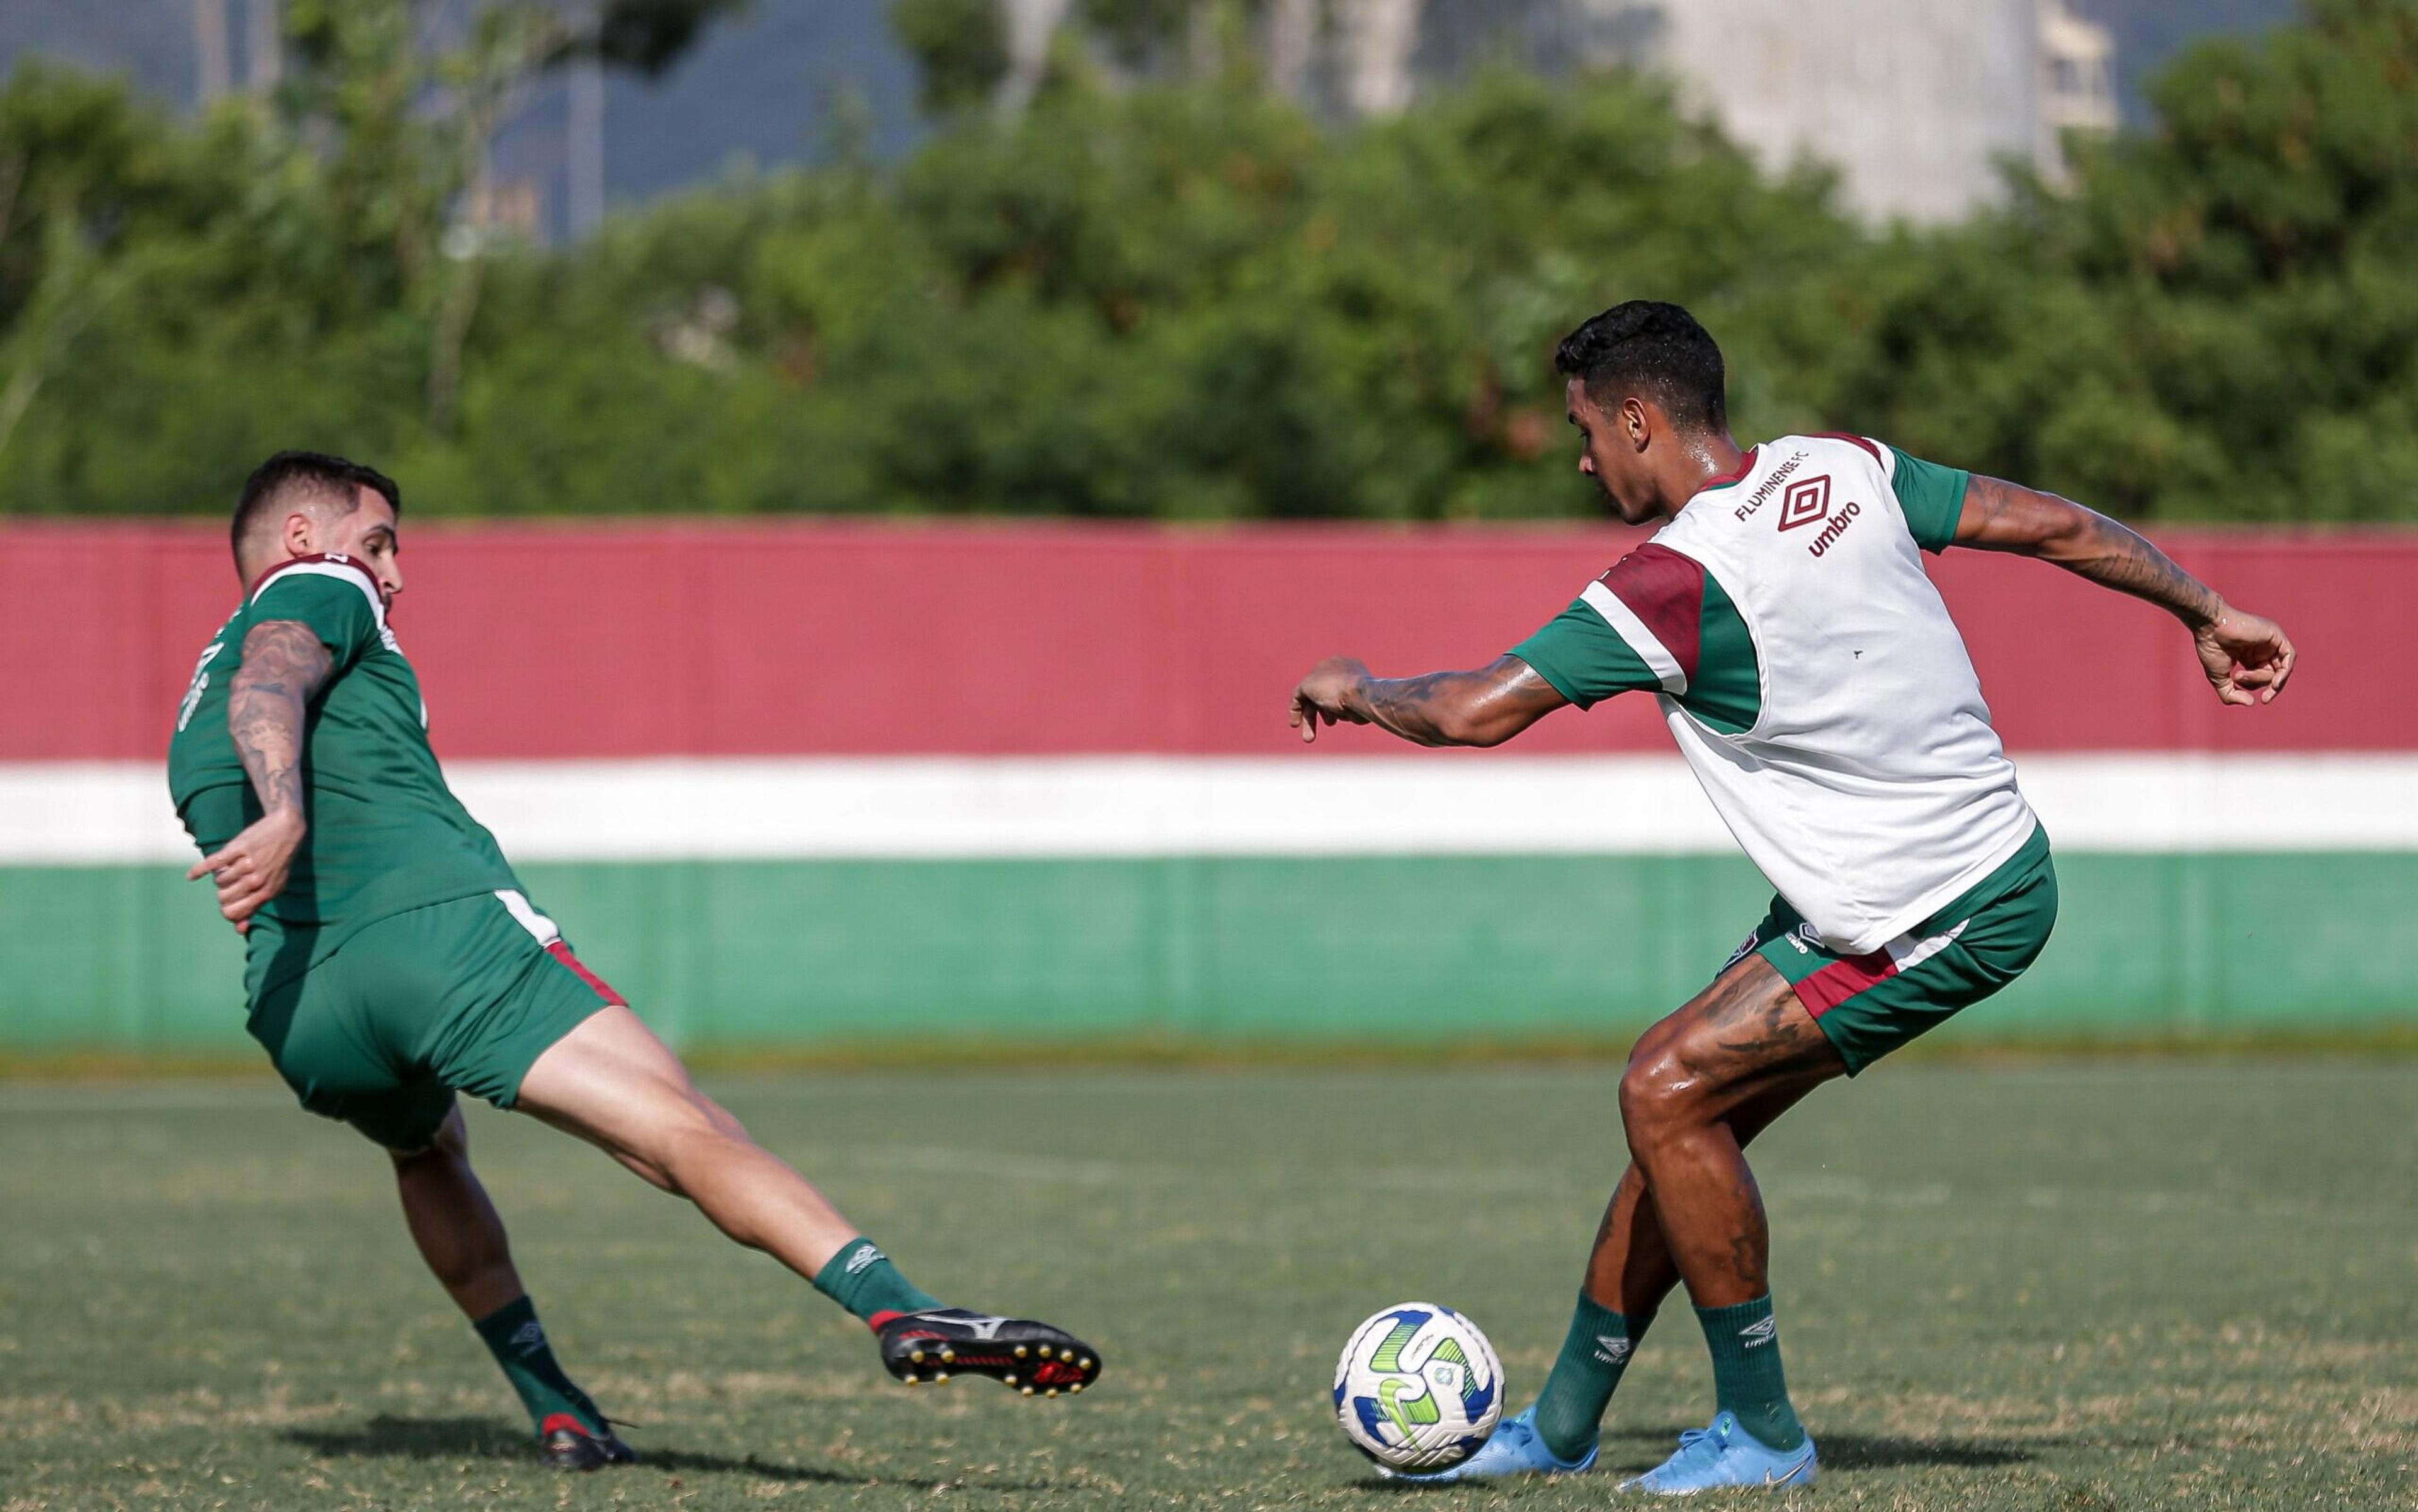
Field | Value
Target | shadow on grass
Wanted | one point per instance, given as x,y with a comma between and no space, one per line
1633,1451
388,1437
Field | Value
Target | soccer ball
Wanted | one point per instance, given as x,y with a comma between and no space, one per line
1418,1387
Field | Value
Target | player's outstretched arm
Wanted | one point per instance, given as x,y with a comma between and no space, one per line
2247,658
284,666
1482,707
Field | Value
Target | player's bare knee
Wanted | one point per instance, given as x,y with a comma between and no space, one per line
1660,1095
687,1130
722,1119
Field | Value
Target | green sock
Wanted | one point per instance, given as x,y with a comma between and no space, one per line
1747,1381
515,1337
861,1279
1594,1354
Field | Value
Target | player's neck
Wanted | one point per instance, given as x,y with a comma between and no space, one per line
1700,460
251,571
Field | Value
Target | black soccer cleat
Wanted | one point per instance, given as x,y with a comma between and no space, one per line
571,1444
940,1342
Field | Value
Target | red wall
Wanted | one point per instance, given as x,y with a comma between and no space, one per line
604,640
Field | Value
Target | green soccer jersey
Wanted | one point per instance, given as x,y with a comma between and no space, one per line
386,834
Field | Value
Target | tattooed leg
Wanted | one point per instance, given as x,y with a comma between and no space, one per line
1701,1084
1630,1269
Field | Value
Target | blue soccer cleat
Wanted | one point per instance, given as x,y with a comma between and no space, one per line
1514,1449
1724,1455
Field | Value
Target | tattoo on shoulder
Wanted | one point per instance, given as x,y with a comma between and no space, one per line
286,654
284,663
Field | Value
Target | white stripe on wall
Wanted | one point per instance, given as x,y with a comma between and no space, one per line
83,813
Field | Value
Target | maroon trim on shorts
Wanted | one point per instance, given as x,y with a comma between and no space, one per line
1844,979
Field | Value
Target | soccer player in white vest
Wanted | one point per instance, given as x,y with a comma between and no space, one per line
1817,687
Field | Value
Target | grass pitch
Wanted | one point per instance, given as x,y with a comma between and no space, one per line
2071,1288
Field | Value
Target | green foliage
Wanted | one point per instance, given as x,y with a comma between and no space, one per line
1191,300
960,46
2220,321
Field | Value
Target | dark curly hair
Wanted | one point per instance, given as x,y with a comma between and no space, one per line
1656,351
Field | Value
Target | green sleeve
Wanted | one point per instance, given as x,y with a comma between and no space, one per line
337,609
1932,497
1584,657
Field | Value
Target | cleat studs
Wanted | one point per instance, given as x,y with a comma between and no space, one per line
1044,1351
1083,1364
1021,1352
948,1356
909,1381
1028,1391
1051,1392
941,1377
1072,1390
1008,1379
917,1356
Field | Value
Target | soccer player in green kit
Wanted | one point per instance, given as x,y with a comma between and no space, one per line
393,959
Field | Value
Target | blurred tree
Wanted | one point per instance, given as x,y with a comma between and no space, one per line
2221,319
1190,299
959,47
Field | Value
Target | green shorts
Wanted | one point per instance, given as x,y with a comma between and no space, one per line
455,997
1869,1005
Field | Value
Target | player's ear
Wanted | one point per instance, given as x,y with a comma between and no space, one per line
299,528
1634,423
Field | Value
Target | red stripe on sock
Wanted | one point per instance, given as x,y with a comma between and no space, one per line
561,951
882,1319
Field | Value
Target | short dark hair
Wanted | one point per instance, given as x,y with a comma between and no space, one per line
1652,349
294,475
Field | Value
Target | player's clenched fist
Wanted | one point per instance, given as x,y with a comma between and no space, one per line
2247,658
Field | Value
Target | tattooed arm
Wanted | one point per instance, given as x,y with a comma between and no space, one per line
1484,708
284,666
2246,658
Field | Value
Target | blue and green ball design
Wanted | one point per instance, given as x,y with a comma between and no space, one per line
1418,1387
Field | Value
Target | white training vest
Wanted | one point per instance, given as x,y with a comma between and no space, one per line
1871,789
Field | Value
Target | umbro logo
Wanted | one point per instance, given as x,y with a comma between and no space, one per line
1610,1349
1763,1331
1805,503
528,1338
864,1256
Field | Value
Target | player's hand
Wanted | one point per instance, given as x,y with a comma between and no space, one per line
1323,696
252,868
2246,657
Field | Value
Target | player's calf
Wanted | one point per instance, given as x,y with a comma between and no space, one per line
613,1083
